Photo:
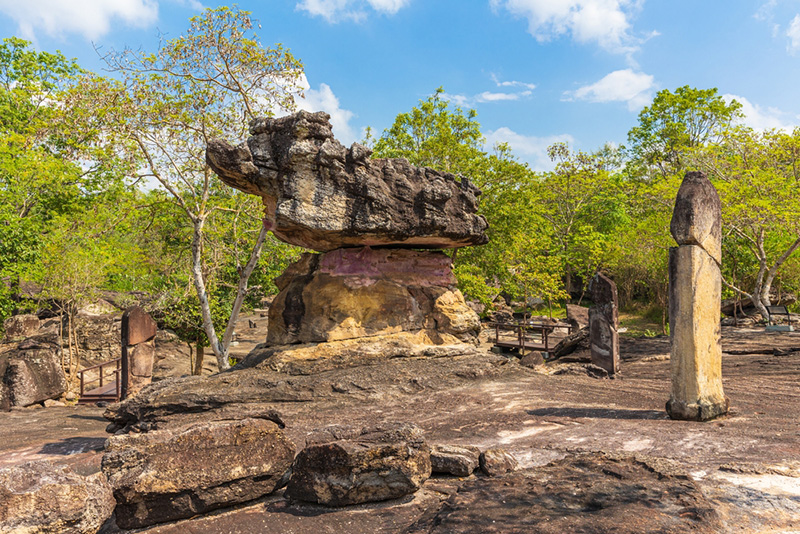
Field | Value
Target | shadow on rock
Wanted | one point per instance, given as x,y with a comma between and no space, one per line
598,413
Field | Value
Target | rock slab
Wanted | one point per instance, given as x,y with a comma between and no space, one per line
363,292
46,498
322,196
695,291
604,324
590,493
374,464
175,473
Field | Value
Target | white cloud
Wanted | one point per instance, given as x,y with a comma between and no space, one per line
793,33
528,148
635,88
760,118
90,18
493,96
529,86
323,99
355,10
605,22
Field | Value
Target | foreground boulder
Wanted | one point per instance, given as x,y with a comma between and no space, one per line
374,464
361,292
31,372
42,497
321,196
172,474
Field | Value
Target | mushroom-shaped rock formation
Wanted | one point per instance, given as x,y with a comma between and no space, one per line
322,196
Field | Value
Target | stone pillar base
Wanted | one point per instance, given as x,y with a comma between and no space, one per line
696,411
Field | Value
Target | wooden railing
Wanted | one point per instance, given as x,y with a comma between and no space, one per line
101,387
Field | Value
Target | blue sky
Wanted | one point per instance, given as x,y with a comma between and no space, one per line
536,71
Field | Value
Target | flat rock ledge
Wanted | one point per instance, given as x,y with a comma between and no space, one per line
322,196
373,464
175,473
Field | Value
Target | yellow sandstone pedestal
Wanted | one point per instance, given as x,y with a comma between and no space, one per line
696,356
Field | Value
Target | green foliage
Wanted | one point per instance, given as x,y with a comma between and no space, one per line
675,122
435,135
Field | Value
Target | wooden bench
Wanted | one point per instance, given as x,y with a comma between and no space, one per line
779,310
527,335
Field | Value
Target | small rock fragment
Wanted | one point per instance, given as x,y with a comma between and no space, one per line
495,462
456,460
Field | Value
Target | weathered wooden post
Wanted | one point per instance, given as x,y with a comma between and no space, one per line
695,292
138,350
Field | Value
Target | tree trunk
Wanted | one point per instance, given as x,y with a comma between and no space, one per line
199,355
241,290
202,295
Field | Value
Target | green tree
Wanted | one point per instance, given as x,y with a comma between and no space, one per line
758,179
435,135
45,178
677,121
581,202
206,84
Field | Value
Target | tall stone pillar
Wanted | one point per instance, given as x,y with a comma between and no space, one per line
695,291
604,323
138,350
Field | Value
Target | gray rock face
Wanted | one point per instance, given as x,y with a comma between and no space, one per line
454,459
31,372
45,498
577,316
497,461
374,464
176,473
20,327
322,196
604,324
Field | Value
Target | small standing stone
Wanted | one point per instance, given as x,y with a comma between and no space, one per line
138,350
695,290
604,324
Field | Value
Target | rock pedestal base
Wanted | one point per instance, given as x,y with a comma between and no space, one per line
364,292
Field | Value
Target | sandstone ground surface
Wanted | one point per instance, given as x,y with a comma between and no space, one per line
593,453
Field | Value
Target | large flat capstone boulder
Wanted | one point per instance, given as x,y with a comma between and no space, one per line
31,372
361,292
358,466
46,498
322,196
174,473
